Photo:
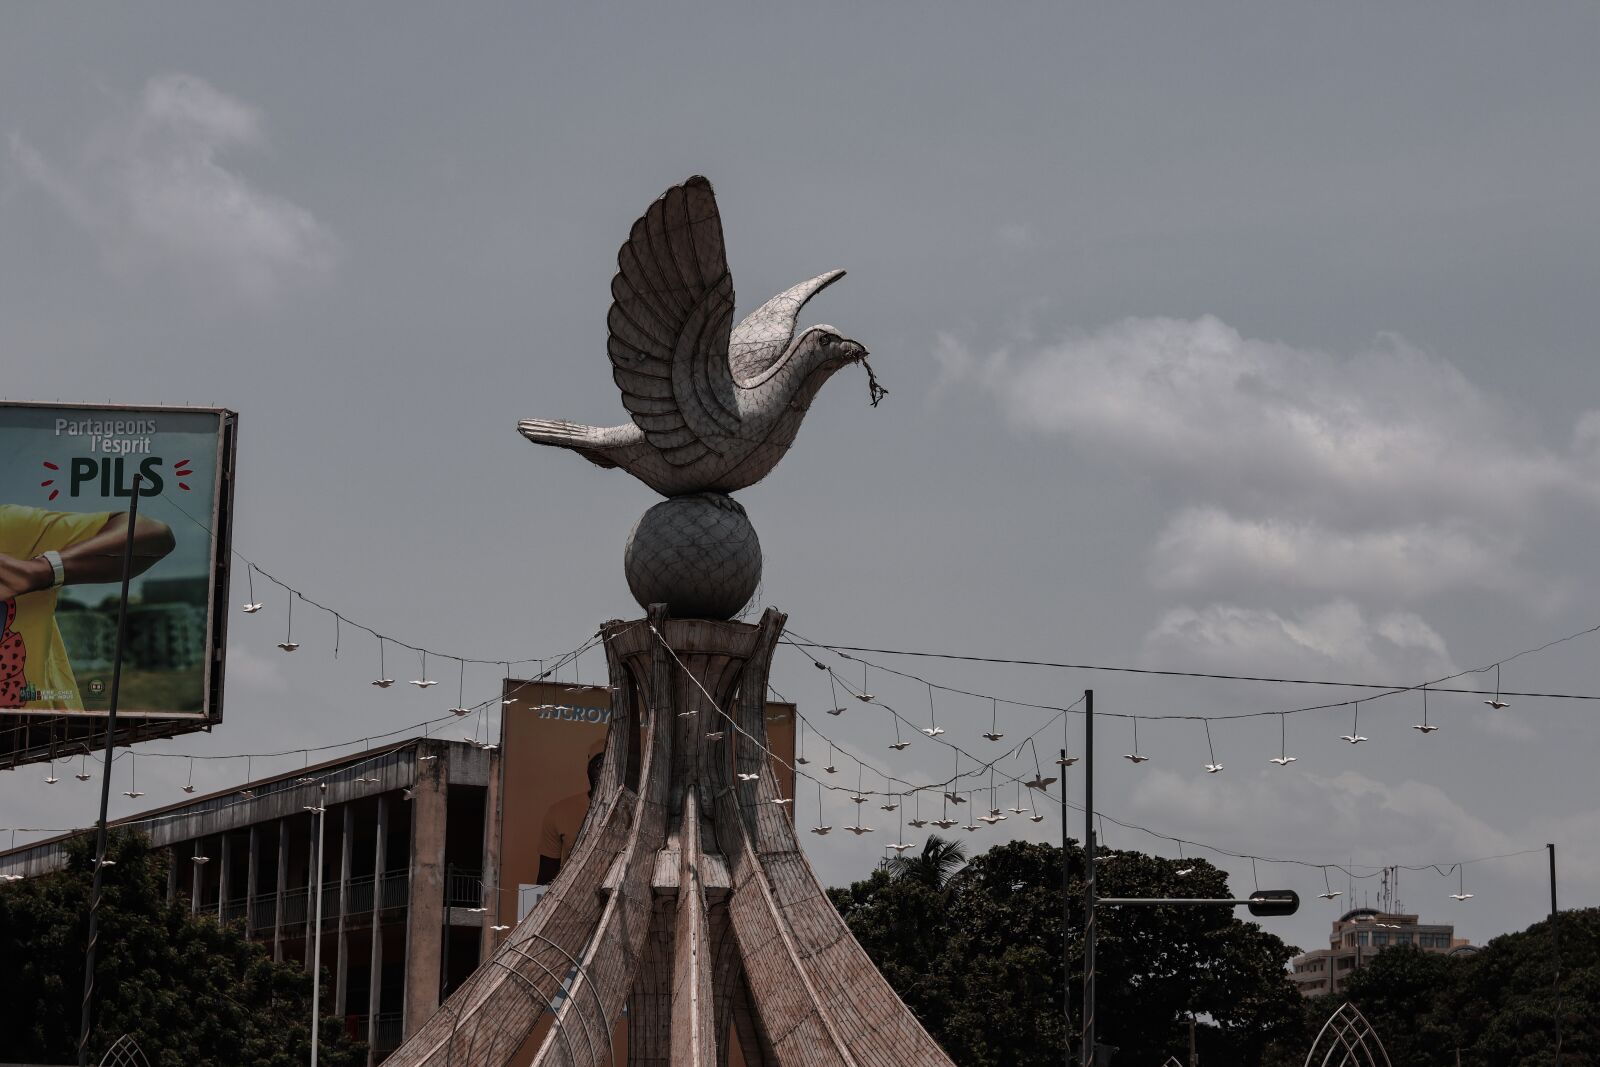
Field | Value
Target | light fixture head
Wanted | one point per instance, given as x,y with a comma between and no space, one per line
1354,739
133,794
743,777
1213,768
423,683
831,769
188,789
783,800
859,830
865,698
1134,757
499,927
460,712
835,711
83,776
1497,704
993,737
51,780
821,831
1283,761
1040,783
801,760
1425,728
933,731
918,823
201,860
899,846
1461,896
1066,761
891,806
1036,818
383,683
250,609
900,746
944,824
1330,894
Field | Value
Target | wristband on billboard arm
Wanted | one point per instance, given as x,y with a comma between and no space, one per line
58,572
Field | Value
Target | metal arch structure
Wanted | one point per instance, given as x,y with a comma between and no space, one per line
686,903
124,1052
1348,1034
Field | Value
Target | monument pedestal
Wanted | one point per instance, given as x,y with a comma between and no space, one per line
686,900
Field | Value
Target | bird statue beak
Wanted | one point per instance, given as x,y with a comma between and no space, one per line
852,351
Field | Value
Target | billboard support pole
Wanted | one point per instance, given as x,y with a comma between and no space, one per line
105,783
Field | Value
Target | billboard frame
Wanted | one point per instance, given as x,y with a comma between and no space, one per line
54,735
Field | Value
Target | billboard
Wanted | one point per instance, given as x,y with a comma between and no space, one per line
66,481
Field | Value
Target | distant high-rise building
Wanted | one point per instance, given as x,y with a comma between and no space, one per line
1359,935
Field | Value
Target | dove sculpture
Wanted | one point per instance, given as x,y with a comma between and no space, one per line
714,406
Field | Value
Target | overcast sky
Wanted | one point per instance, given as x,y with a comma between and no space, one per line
1242,338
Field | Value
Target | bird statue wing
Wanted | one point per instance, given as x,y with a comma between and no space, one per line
671,312
760,341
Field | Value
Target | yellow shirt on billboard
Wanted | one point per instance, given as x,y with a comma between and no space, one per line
33,658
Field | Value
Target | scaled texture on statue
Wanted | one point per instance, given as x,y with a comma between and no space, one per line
714,406
697,552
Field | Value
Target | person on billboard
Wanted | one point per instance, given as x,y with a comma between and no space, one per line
40,552
562,822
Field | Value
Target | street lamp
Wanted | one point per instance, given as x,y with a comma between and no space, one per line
320,810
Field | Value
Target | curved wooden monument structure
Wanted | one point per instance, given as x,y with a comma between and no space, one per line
687,904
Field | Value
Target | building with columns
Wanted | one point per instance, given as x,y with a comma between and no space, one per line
422,857
405,839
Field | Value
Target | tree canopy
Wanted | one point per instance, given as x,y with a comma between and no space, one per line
1498,1005
190,992
977,955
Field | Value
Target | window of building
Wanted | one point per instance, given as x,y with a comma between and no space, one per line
1361,938
1379,938
1402,939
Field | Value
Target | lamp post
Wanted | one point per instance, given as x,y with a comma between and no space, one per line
320,810
105,782
1087,1055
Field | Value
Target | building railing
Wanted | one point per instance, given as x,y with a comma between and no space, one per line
263,912
234,910
395,890
388,1033
463,889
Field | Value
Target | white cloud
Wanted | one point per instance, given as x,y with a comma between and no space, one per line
1334,640
151,189
1383,472
1205,545
1345,814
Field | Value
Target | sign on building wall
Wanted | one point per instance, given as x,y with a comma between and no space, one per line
66,481
553,739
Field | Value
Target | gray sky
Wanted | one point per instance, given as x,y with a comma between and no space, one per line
1248,338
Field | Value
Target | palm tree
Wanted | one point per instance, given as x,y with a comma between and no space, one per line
940,858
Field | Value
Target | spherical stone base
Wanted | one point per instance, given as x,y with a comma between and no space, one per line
698,554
